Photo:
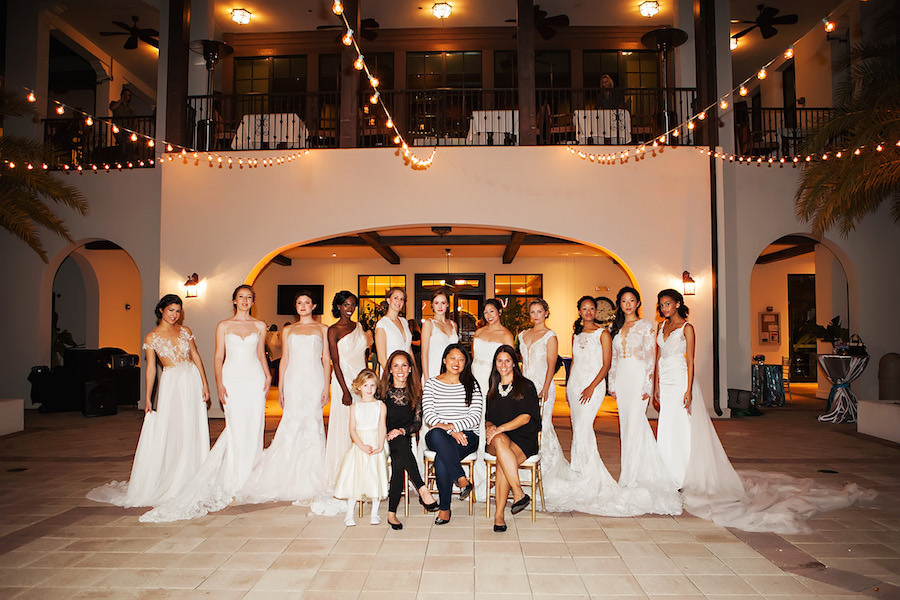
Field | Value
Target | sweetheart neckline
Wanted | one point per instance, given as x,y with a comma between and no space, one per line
242,337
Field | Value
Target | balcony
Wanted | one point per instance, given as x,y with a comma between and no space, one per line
436,117
775,132
106,142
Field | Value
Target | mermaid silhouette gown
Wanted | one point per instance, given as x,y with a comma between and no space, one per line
293,466
226,469
352,356
534,367
631,377
174,438
753,500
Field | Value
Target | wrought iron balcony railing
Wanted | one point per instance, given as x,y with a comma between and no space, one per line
775,132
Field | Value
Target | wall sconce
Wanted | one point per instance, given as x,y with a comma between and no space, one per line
733,43
190,286
690,287
441,10
241,16
649,8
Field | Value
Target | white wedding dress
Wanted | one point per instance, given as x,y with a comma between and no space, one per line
482,362
395,339
352,357
231,459
534,367
293,466
436,346
631,377
586,485
174,438
753,501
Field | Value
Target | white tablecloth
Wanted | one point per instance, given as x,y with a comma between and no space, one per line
273,130
602,126
493,128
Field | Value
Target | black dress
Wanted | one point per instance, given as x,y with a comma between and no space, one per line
502,410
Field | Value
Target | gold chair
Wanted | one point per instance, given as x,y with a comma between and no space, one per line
786,376
535,483
468,463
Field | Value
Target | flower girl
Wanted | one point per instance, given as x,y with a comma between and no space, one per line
363,472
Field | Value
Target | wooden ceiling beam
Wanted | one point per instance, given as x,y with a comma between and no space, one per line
512,246
445,241
281,259
798,250
387,253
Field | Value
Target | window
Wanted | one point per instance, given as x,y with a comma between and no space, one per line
329,72
269,84
381,65
428,70
372,290
632,69
552,69
506,74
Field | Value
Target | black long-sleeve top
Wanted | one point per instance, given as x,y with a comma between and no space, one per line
400,414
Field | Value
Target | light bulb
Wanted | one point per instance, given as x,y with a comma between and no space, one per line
723,104
358,65
89,121
150,143
762,73
879,148
115,128
690,125
133,137
857,152
733,43
60,109
168,147
396,139
373,81
348,37
31,97
789,53
829,25
743,91
702,115
389,124
374,98
337,8
675,133
649,8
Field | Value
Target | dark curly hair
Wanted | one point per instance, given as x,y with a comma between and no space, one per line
339,299
164,302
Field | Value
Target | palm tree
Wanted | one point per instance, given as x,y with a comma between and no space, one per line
839,192
24,192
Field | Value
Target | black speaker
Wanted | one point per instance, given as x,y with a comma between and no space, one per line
99,398
738,399
124,361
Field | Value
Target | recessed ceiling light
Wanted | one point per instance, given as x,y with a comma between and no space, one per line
241,16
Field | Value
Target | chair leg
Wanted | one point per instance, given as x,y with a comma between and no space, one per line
533,500
405,494
488,489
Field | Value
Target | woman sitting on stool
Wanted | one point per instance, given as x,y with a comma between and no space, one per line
512,423
451,405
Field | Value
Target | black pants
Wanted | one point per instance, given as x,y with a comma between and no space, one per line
402,460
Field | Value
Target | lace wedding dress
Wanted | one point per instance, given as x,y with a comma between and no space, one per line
174,438
231,459
753,501
534,367
631,377
293,466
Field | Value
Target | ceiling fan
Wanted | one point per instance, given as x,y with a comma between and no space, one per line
546,26
367,28
766,21
148,35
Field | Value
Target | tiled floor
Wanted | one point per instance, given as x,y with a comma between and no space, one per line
57,544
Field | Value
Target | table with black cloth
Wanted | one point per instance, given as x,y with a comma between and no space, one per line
502,410
841,370
767,384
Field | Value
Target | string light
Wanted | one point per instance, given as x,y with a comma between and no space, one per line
789,53
359,64
829,25
89,121
743,91
348,38
762,73
723,104
337,8
60,110
31,97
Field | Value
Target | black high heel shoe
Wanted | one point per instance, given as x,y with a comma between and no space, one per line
429,507
464,493
396,526
440,521
499,528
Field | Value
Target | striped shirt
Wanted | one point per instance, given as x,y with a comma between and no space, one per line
446,403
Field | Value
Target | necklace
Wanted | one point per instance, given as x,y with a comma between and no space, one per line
505,389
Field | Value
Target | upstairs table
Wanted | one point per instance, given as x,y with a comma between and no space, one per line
270,131
493,128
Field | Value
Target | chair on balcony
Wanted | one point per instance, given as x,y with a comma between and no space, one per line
555,128
326,129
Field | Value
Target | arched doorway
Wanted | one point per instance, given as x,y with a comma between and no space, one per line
475,262
96,300
796,283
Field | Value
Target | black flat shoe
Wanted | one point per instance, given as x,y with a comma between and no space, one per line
464,493
499,528
396,526
519,506
440,521
429,507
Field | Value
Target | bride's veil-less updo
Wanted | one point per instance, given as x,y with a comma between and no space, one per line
578,326
163,303
243,286
339,299
676,297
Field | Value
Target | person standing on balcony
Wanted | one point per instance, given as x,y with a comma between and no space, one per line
124,118
610,98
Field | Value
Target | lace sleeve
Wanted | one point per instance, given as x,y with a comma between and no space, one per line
416,424
648,355
613,365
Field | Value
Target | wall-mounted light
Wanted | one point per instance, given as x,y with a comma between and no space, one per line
191,288
241,16
690,288
650,8
441,10
733,42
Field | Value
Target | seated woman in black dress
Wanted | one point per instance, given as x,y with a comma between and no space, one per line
451,407
512,422
402,394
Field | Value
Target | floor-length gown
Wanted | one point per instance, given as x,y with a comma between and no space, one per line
753,501
534,367
394,338
231,459
587,486
174,438
482,361
437,343
352,356
293,466
364,475
631,377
